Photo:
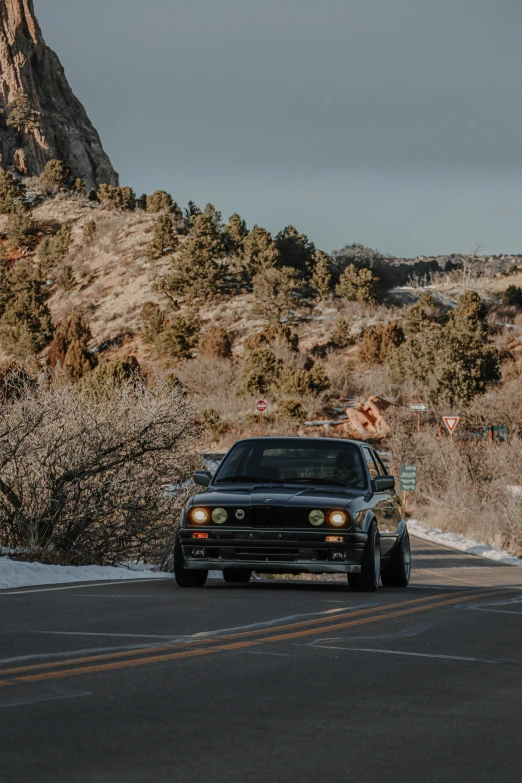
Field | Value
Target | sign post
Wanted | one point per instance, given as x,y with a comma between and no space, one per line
451,423
419,407
407,481
261,407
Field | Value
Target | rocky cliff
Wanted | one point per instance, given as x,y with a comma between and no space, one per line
41,118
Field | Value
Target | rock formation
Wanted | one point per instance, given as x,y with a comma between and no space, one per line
366,419
41,118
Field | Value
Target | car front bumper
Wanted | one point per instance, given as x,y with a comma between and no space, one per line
274,551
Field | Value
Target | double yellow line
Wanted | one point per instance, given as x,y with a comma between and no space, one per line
237,641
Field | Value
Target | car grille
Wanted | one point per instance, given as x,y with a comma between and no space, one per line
278,516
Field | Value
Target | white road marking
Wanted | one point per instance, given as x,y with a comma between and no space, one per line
488,607
83,586
151,597
173,639
16,696
259,652
110,635
279,620
494,611
417,655
75,653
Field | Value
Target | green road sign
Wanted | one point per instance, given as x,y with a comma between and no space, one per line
498,431
408,478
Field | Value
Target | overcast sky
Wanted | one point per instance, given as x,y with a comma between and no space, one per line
395,123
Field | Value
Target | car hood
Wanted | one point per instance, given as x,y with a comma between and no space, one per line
273,495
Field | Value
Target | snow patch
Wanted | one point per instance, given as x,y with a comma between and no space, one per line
16,573
460,542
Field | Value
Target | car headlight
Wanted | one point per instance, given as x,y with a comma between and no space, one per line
199,515
220,516
337,518
316,518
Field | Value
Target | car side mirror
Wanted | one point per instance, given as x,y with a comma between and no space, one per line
202,477
383,483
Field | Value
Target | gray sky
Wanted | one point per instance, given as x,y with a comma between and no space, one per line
395,123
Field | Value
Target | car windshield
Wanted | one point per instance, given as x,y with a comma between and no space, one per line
279,461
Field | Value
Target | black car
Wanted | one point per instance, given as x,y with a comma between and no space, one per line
294,505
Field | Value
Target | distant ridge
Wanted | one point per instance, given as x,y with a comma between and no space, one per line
41,117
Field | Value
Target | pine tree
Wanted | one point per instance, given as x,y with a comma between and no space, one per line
20,227
260,371
160,201
191,211
198,271
163,239
25,320
67,281
304,382
108,375
341,335
69,348
451,361
357,285
427,310
54,250
121,198
12,192
260,253
21,115
216,343
235,234
178,337
56,176
153,319
89,230
378,341
513,296
467,362
273,293
295,250
322,274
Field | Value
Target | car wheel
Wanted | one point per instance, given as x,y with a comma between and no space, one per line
237,575
368,580
396,571
184,577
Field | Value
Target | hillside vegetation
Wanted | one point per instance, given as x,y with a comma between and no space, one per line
103,289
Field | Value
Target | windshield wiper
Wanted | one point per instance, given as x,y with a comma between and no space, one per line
249,480
300,480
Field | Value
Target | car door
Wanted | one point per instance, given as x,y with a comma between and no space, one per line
384,507
384,470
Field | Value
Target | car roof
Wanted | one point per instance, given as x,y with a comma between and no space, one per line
303,439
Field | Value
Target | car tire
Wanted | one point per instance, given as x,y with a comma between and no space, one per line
184,577
396,571
368,580
237,575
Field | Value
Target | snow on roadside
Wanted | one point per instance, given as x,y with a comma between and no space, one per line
16,573
460,542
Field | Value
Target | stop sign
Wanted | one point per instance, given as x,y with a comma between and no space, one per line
261,406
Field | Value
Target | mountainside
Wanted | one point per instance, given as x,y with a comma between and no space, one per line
41,118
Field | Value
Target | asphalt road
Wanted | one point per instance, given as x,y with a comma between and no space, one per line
268,682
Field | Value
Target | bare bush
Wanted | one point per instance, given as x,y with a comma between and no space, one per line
465,486
87,473
210,381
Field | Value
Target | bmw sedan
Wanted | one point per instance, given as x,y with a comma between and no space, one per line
293,506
